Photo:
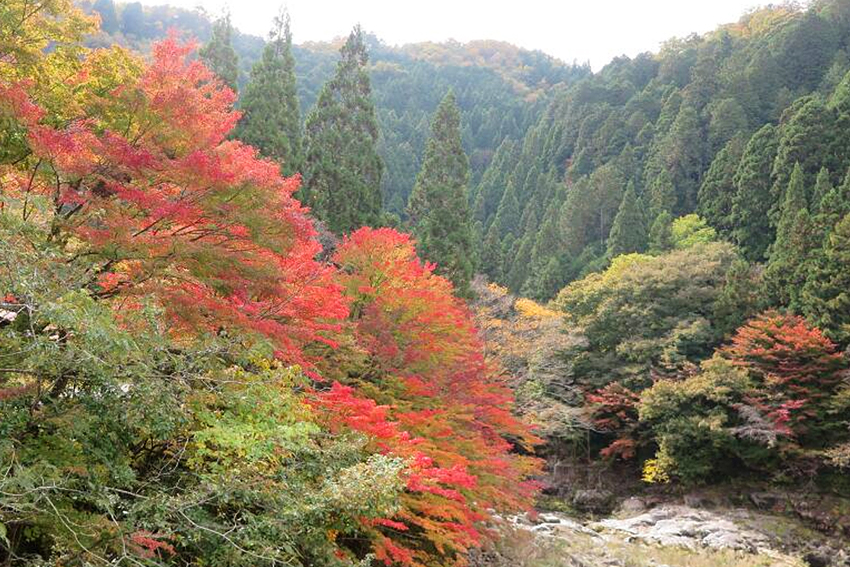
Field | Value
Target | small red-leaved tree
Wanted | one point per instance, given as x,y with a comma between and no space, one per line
796,367
429,397
615,411
141,183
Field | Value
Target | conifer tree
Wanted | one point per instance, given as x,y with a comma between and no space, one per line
491,254
826,295
628,233
549,280
830,204
550,262
752,200
509,213
661,233
684,148
519,271
342,167
662,192
718,187
823,187
271,117
492,185
789,256
218,54
804,140
439,205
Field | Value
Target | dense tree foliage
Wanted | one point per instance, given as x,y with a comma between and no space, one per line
183,382
712,124
195,372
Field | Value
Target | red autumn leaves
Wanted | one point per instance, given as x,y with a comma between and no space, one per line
144,184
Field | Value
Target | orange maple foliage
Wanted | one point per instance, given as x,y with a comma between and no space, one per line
615,410
145,182
430,399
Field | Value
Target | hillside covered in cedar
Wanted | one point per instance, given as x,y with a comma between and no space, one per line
500,88
712,125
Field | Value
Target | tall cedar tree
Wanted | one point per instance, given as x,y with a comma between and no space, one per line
342,167
219,54
628,233
826,295
752,199
271,116
439,205
718,187
790,255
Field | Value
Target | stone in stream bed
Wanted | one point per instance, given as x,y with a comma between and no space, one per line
687,527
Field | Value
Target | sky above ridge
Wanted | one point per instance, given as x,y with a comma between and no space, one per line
581,30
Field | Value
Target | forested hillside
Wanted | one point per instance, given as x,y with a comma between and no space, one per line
343,304
711,124
685,214
500,89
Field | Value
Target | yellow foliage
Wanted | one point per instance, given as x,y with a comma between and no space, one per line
654,473
497,290
577,296
532,309
67,80
27,27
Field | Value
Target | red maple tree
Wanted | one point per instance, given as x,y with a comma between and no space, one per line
144,184
797,369
430,399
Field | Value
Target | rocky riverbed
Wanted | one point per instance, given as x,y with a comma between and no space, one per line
668,534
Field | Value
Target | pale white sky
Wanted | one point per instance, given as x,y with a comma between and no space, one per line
594,30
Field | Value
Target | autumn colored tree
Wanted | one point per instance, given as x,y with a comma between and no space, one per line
448,411
615,412
797,369
142,183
